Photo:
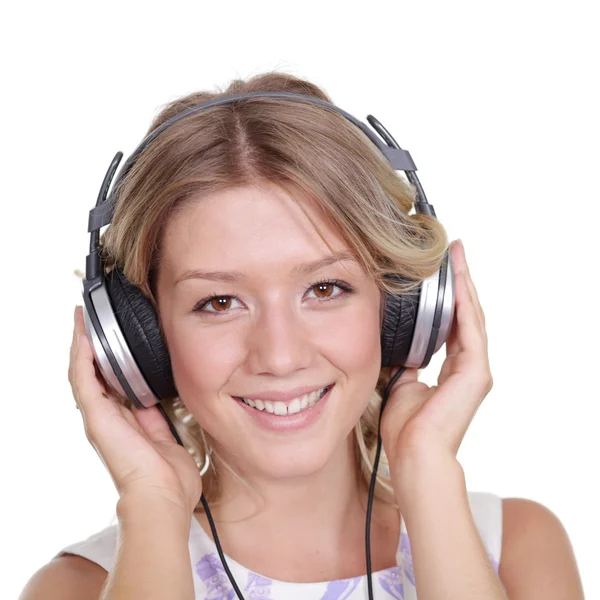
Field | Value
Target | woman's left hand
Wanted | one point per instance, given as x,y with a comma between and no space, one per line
419,420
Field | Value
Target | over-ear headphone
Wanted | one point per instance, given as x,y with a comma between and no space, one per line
123,326
127,342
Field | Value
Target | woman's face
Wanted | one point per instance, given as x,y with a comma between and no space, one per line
272,329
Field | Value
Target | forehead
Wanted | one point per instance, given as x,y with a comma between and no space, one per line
245,228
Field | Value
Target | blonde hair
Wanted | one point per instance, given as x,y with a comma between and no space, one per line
285,142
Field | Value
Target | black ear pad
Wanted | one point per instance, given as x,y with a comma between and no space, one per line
398,327
139,324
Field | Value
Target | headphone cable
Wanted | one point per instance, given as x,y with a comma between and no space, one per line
386,393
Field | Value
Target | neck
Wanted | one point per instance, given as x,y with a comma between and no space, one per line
317,508
295,504
308,529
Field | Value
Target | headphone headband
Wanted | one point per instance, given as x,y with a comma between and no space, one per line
400,159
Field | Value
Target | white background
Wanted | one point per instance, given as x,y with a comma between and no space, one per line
498,105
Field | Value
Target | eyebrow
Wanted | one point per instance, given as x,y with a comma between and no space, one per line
235,276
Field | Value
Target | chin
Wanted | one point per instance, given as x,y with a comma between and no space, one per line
288,462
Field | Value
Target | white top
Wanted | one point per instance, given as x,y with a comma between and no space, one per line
211,581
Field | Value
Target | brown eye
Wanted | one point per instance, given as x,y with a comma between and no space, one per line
220,302
321,288
324,289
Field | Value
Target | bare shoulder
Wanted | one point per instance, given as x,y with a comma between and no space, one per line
537,558
66,577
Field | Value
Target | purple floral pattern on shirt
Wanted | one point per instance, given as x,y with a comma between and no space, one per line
211,571
391,581
218,587
341,588
259,586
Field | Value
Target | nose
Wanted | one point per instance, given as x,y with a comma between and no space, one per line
279,342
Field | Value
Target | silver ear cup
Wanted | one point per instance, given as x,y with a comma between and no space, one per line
140,393
428,302
447,307
100,356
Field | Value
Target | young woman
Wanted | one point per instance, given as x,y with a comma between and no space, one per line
262,234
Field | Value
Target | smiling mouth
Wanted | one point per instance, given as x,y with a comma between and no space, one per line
297,405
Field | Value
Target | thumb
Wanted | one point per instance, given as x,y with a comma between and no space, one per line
407,395
410,375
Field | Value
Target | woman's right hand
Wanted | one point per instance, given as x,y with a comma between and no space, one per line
137,447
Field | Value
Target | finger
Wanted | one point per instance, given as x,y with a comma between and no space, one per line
153,424
461,271
409,374
475,301
407,392
474,296
468,333
73,340
81,330
471,286
90,395
73,351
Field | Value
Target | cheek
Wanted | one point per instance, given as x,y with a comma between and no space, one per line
202,361
353,340
360,359
203,364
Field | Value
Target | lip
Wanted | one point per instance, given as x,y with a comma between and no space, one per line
287,423
285,397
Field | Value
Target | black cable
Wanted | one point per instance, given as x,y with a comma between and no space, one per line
171,426
216,537
369,503
373,479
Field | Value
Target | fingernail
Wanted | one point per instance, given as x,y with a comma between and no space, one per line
75,314
78,338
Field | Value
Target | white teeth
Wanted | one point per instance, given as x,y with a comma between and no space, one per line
279,408
293,407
